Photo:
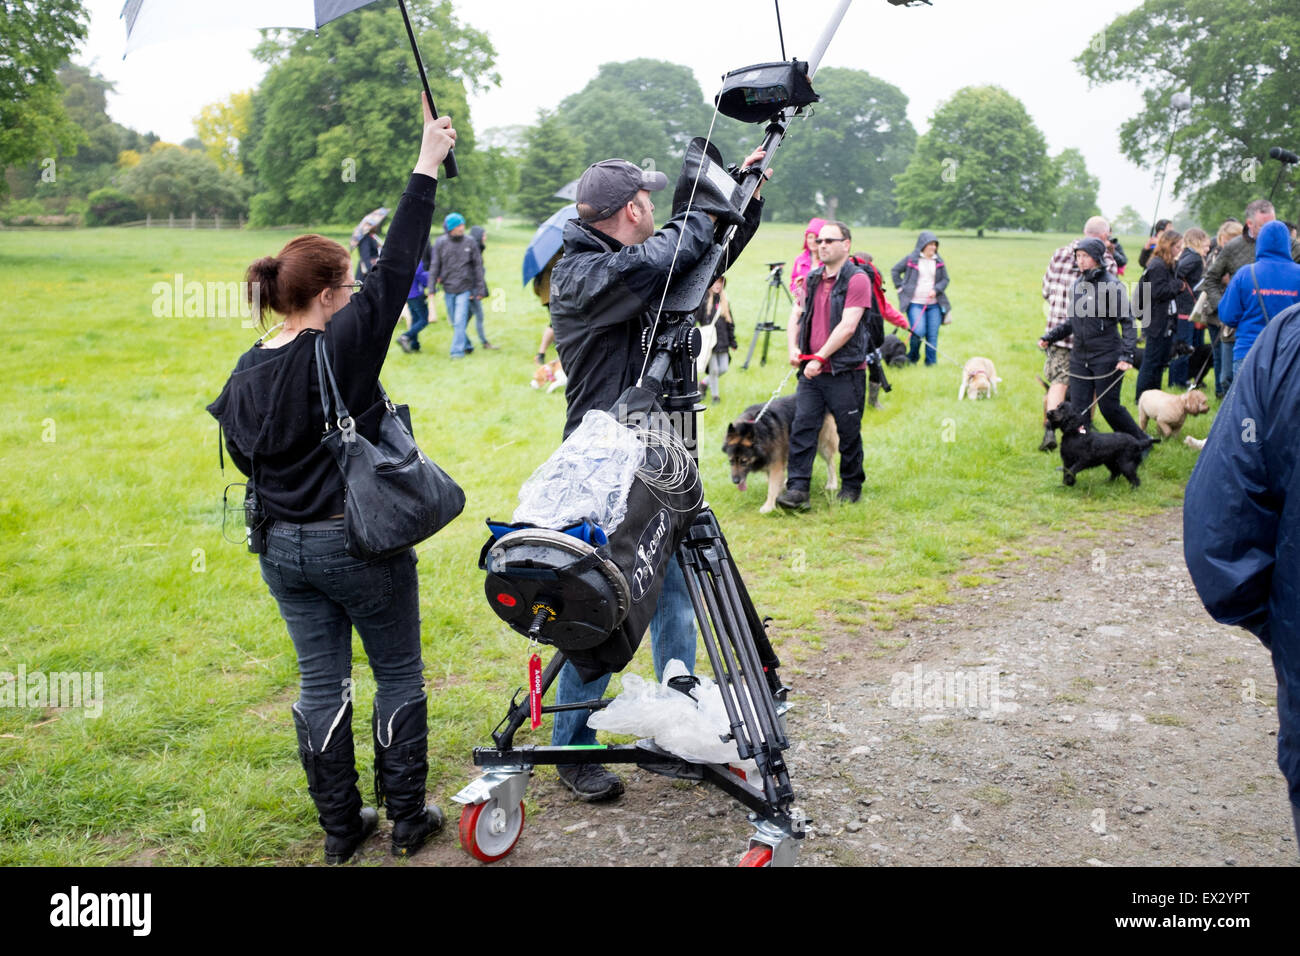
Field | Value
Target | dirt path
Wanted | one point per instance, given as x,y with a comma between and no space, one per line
1032,722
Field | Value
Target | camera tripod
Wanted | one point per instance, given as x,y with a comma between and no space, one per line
765,325
735,641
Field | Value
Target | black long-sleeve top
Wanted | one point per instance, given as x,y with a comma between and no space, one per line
270,407
1156,289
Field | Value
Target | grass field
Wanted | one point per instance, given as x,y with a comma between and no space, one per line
114,561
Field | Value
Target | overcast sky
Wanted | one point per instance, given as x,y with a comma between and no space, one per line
1024,46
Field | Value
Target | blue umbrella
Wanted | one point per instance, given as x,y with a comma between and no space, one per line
547,241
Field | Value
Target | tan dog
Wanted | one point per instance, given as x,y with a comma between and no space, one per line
550,376
1169,411
979,379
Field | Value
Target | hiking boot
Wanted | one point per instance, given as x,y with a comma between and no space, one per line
405,343
1049,439
410,835
849,496
590,781
339,849
489,345
794,499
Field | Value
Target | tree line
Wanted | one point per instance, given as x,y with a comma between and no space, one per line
325,136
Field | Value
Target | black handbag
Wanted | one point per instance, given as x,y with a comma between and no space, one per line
394,496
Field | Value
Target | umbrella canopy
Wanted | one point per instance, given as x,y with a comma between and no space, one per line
568,191
153,21
547,241
371,220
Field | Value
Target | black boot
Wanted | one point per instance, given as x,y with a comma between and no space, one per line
401,769
1049,438
332,783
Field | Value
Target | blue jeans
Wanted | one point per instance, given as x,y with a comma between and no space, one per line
458,314
476,310
419,307
1222,364
925,321
672,636
323,593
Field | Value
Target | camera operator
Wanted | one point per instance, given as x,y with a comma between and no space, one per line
604,293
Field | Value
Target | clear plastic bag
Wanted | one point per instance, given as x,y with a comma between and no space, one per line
688,728
586,477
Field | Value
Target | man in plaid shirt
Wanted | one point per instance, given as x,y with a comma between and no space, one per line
1057,283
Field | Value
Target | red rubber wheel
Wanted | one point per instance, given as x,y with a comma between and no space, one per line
757,856
488,831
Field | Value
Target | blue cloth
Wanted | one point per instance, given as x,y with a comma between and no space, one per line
672,636
1278,279
458,313
323,593
453,220
1241,517
420,283
419,307
476,310
1223,365
924,321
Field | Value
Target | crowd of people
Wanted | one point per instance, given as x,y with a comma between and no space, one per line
1242,288
452,261
1192,310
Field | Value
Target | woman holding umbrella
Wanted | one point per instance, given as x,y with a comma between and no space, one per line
270,410
365,239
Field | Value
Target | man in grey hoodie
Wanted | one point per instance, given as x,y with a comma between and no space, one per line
458,267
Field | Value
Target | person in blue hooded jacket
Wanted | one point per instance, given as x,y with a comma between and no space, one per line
1241,535
1260,291
921,279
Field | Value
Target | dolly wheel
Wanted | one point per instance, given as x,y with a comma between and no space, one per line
757,856
488,831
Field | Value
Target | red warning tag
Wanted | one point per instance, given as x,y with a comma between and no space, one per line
535,690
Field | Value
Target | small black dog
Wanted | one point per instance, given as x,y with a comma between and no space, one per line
1199,364
893,351
1082,448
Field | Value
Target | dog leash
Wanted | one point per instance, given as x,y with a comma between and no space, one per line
1118,379
935,350
775,392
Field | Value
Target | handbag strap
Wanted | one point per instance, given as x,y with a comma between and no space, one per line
1259,295
326,373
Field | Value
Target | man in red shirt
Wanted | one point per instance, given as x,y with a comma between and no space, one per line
829,345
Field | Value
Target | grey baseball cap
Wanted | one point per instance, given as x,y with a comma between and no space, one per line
609,185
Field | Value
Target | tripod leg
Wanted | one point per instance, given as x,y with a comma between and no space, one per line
504,734
752,342
734,640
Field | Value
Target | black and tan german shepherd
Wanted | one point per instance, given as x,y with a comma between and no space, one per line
764,445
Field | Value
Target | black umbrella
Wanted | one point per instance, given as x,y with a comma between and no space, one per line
148,21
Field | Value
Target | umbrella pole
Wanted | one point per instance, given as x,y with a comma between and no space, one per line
448,164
